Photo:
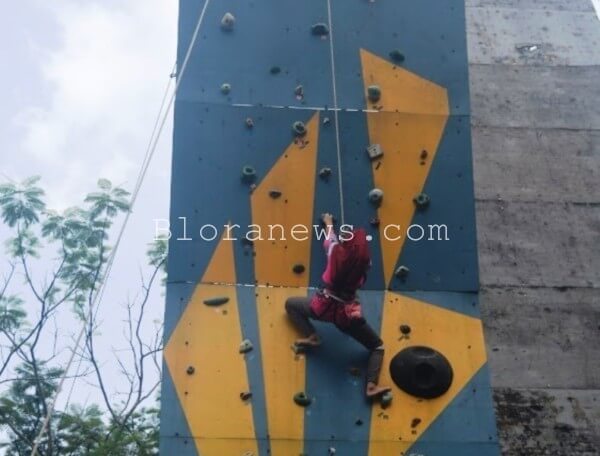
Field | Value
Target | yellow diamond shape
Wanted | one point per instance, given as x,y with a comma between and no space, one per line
455,335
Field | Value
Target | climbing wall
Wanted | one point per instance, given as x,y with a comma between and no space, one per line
273,118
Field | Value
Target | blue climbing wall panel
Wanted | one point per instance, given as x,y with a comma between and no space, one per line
392,73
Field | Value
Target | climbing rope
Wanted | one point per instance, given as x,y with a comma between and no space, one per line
153,142
335,113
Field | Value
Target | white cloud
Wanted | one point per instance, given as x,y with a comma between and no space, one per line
106,80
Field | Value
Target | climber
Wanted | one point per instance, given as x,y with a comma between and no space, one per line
347,263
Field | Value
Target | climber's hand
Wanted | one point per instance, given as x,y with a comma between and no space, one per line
327,218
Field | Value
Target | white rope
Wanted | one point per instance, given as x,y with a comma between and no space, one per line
143,170
335,114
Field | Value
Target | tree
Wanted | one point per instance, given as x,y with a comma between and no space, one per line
75,245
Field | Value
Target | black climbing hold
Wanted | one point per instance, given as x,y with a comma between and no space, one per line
216,301
320,29
325,173
245,396
397,56
355,371
374,151
401,272
386,399
422,372
246,346
359,422
374,93
275,194
376,196
299,128
415,422
275,70
375,222
302,399
190,370
225,88
249,122
405,329
423,154
422,200
227,22
248,173
298,268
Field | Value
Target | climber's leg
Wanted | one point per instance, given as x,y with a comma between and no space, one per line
300,313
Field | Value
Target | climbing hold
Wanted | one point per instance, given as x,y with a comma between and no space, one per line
275,193
298,268
227,22
374,93
324,173
376,196
326,121
302,399
359,422
320,29
216,301
375,222
275,70
422,372
299,128
298,349
415,422
299,92
245,396
386,399
190,370
355,371
331,450
246,346
397,56
248,173
422,200
401,272
423,154
225,88
374,151
405,329
249,122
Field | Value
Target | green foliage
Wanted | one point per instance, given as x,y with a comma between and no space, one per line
21,203
80,236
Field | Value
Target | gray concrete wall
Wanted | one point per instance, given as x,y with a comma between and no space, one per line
535,96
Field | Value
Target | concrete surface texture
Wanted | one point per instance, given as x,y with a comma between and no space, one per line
535,86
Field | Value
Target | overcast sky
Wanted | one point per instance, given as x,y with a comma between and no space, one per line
81,86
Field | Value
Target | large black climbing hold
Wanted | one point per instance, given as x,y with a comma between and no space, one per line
190,370
422,200
299,128
320,29
227,22
405,329
325,173
302,399
216,301
248,174
374,93
376,196
422,372
245,396
275,193
374,151
275,70
298,268
397,56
